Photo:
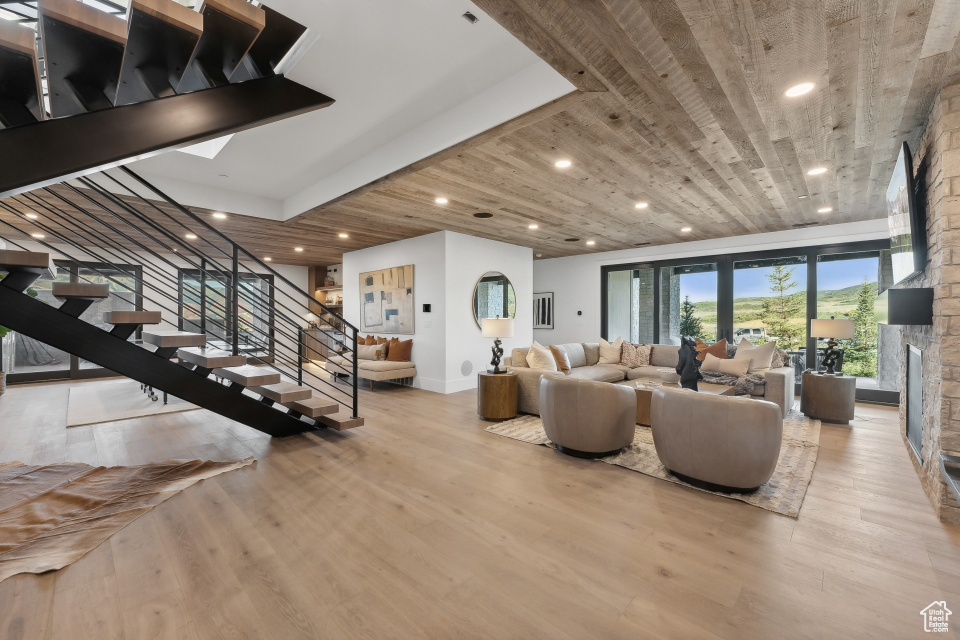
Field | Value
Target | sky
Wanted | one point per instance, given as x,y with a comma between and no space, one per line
752,283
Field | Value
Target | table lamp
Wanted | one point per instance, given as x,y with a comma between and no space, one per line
496,328
831,330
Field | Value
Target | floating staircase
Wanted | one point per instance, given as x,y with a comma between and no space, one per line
213,367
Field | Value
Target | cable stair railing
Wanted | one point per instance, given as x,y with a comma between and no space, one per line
198,279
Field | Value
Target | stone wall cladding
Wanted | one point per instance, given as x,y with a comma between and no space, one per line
937,166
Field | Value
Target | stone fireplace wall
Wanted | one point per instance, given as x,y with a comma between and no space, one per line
936,163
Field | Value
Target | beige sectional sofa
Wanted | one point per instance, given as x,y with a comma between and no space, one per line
584,365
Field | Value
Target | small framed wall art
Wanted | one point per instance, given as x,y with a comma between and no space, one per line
543,310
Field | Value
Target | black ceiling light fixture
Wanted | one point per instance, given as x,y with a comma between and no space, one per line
572,240
483,215
469,17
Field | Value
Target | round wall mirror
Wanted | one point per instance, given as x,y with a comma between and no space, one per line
494,296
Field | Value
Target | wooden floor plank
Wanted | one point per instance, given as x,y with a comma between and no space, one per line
422,525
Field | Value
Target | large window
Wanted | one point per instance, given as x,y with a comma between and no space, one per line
762,296
34,360
205,308
847,286
688,302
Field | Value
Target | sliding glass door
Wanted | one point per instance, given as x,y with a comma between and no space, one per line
37,361
761,296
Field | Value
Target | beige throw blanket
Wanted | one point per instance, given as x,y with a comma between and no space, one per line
52,515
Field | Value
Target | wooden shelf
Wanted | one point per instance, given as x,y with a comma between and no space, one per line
340,288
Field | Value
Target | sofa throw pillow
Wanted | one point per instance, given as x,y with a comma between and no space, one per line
369,352
635,355
737,368
780,359
718,349
386,346
610,351
399,350
561,358
591,353
760,357
539,357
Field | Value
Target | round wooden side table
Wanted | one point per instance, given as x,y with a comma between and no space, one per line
497,395
827,397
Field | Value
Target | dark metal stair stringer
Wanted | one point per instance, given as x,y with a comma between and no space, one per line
48,324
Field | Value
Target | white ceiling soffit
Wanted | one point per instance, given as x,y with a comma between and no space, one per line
409,79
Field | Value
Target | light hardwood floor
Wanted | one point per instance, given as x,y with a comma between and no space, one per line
421,525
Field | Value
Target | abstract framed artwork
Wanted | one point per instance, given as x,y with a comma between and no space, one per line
386,300
543,310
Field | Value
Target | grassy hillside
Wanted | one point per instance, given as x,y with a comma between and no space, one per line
746,311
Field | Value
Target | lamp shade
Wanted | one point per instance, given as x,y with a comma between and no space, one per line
831,328
497,327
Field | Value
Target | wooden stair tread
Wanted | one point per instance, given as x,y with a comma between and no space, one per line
283,392
132,317
340,421
80,290
174,338
249,375
313,407
210,358
24,260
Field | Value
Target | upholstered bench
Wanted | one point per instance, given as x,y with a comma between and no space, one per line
371,367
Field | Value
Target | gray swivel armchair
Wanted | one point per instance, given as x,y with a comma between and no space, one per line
587,419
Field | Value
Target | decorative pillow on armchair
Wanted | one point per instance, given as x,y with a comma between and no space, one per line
561,358
635,355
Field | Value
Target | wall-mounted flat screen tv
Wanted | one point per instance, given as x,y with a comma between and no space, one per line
908,233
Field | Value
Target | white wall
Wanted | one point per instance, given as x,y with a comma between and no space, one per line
575,281
447,265
426,254
468,258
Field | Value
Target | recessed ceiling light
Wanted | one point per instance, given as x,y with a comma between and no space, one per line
191,236
590,243
816,171
343,235
799,90
801,197
483,214
641,205
31,216
267,259
539,255
298,249
37,236
686,229
824,209
220,216
533,226
571,240
562,164
441,201
469,17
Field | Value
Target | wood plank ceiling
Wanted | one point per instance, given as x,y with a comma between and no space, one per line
679,104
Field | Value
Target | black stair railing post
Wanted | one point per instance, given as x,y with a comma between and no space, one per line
236,300
203,296
356,404
300,356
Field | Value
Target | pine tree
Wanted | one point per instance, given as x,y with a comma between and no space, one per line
783,308
860,354
689,325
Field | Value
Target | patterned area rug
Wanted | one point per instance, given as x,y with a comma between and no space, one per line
783,493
